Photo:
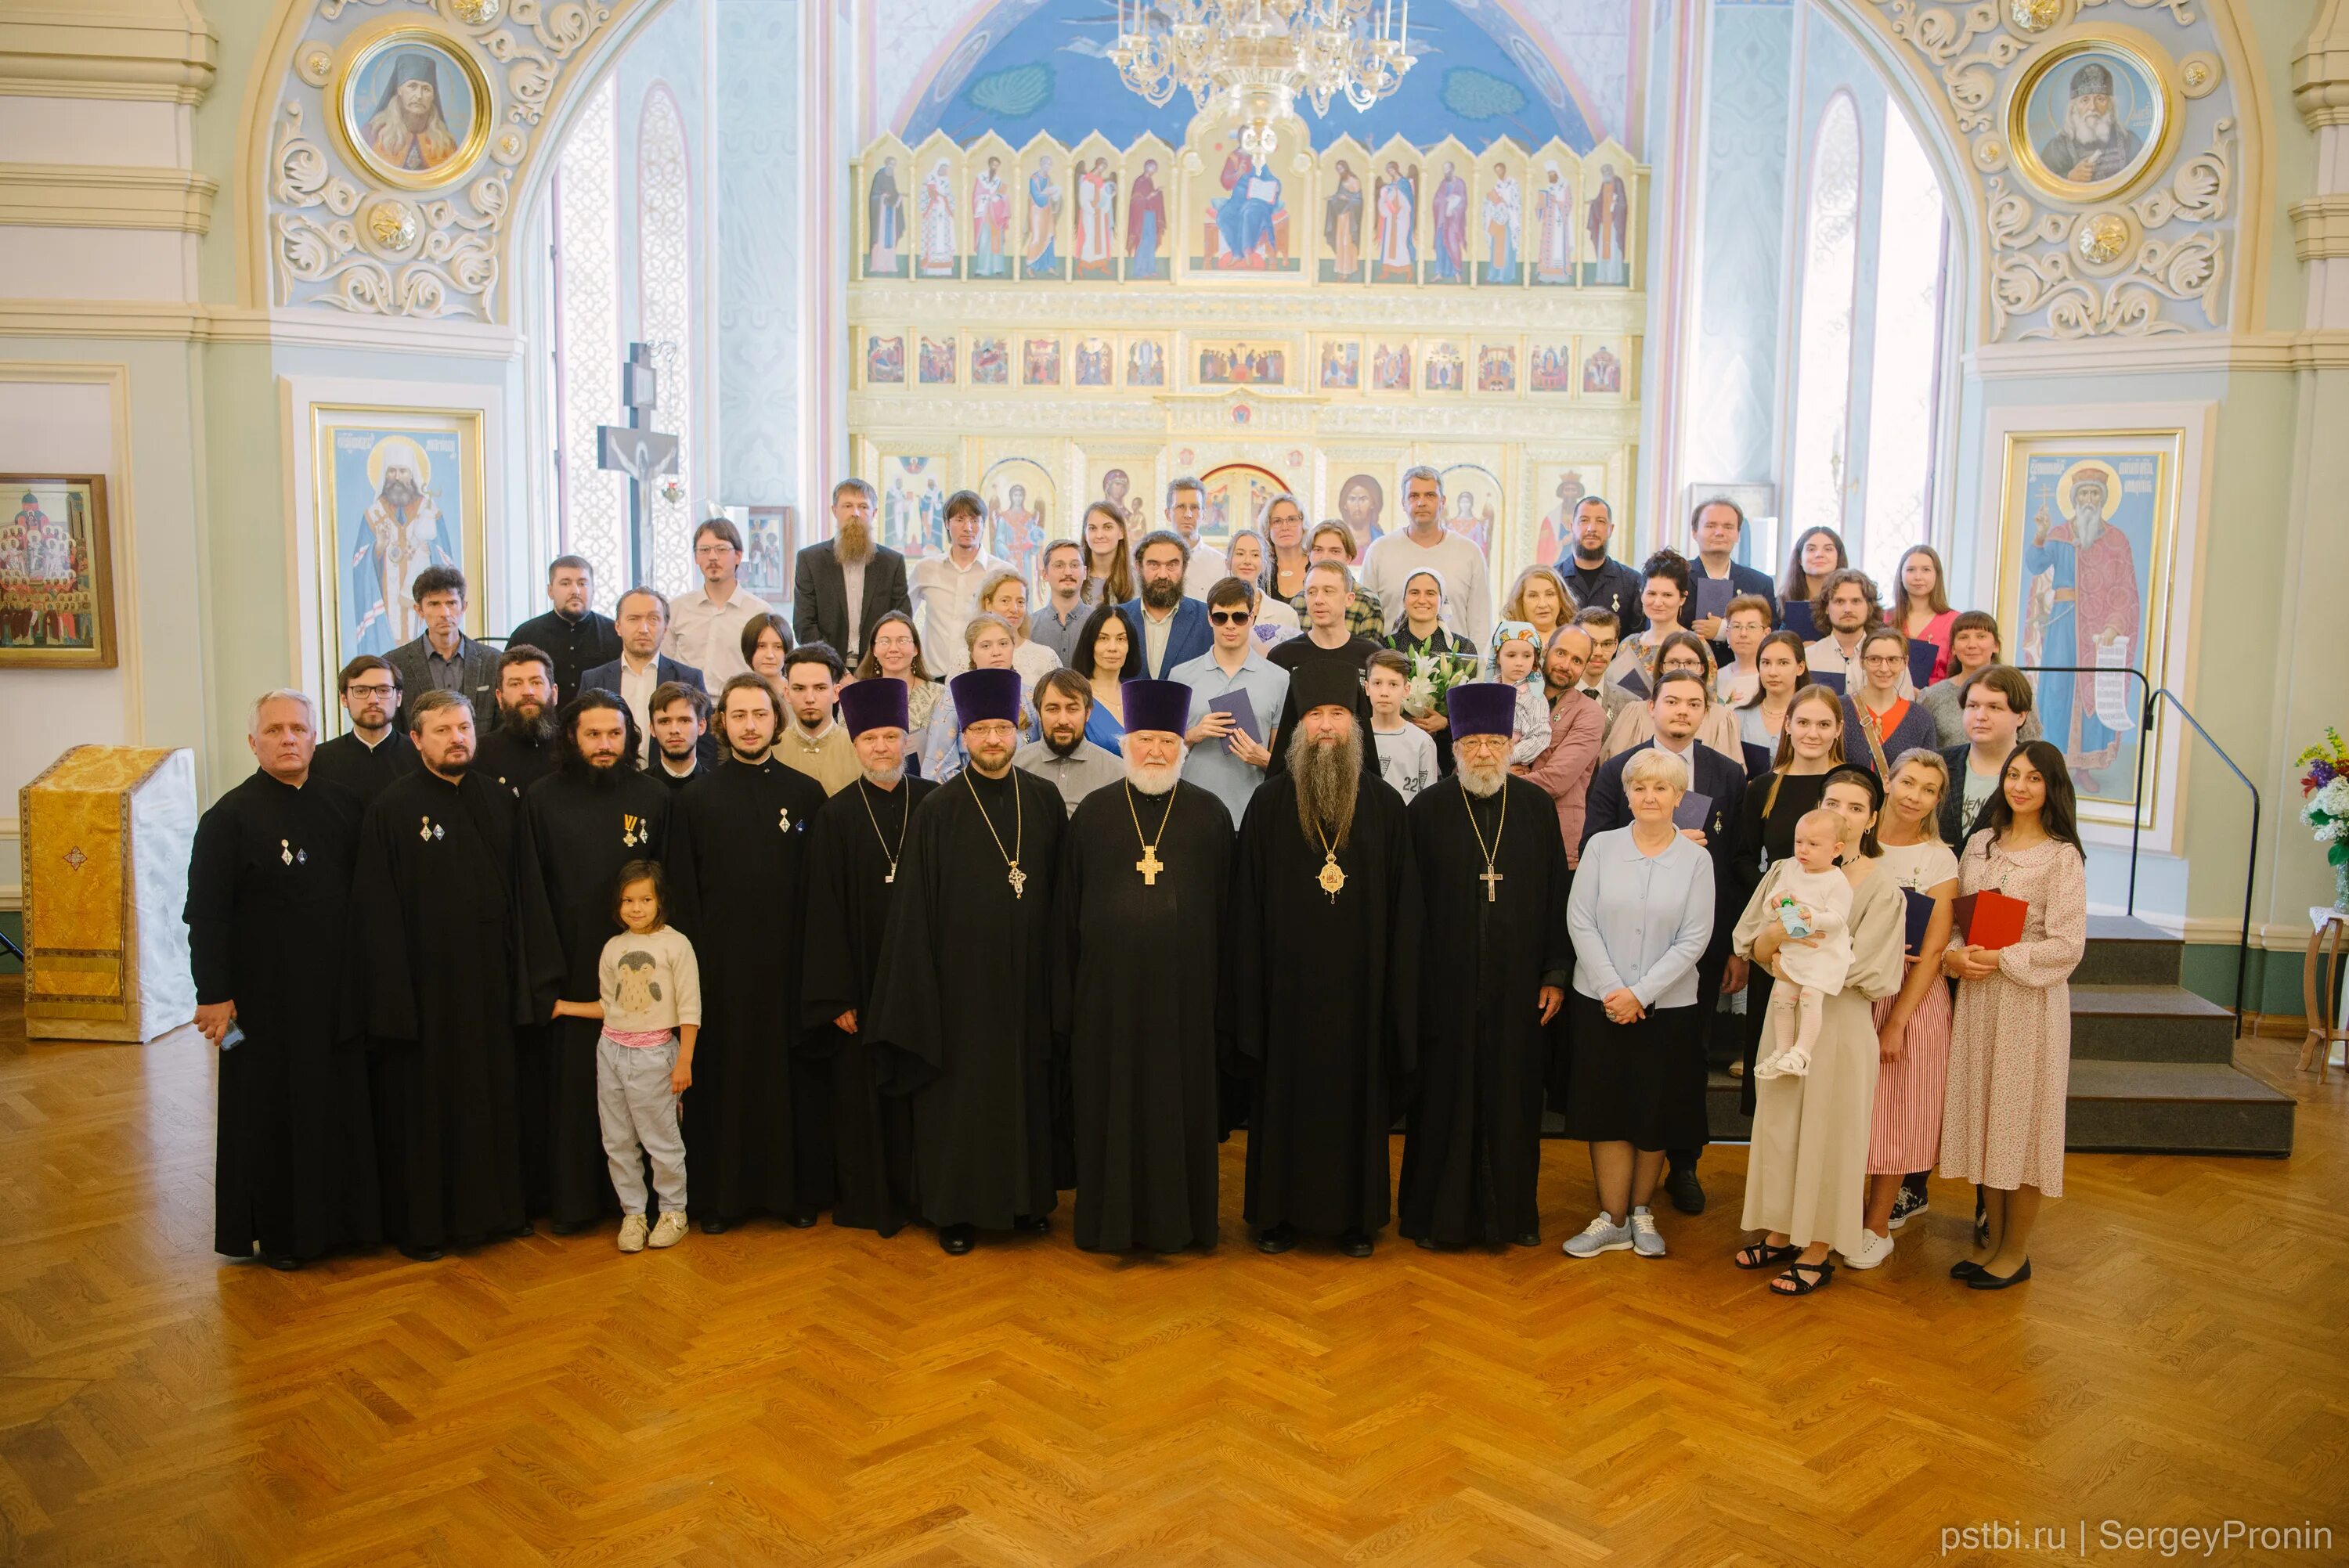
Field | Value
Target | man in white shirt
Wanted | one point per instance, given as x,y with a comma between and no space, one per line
1184,501
706,628
1852,613
946,587
1428,545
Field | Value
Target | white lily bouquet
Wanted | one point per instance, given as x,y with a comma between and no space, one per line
1432,676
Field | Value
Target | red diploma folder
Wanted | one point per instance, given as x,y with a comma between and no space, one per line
1989,918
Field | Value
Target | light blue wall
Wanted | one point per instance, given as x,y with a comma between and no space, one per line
759,230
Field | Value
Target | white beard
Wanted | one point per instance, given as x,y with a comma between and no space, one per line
1153,781
1483,782
885,777
2089,129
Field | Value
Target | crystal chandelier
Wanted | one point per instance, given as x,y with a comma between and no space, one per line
1256,57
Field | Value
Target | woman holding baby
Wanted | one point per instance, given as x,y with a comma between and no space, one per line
1815,1081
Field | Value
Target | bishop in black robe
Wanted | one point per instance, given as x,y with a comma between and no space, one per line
1138,992
455,963
963,999
363,770
593,815
758,1119
853,852
1472,1156
269,890
1325,977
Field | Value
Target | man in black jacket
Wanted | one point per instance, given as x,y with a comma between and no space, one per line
642,668
843,584
1679,704
1715,528
575,637
1595,579
374,751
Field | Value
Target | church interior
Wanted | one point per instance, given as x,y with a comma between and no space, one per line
1920,271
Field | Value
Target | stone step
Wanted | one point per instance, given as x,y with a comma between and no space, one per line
2150,1024
2127,951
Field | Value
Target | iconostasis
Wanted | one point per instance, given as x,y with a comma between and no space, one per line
1053,323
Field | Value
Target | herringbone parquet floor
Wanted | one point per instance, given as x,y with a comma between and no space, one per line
774,1395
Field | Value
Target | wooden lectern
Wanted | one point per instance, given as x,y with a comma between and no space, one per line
107,833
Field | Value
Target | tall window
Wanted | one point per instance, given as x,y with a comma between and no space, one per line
1907,361
664,268
1830,251
592,509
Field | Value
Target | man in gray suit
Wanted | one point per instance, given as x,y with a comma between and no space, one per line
843,584
443,658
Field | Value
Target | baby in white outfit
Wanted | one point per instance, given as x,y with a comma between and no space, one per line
1812,899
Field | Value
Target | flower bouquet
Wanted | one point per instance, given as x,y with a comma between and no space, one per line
1432,676
2324,805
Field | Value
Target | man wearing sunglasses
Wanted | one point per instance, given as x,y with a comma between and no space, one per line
1224,758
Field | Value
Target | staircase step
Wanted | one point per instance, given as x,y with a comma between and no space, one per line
2150,1024
2175,1108
2123,951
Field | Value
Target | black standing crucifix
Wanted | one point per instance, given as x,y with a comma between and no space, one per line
639,452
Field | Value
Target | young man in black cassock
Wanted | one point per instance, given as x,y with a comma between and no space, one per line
269,889
1325,974
1492,867
592,816
758,1119
374,752
853,852
1138,988
962,1012
520,751
456,954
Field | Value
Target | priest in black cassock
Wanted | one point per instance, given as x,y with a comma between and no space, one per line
590,816
373,752
962,1013
1145,869
758,1119
1325,974
269,890
853,852
456,956
1491,869
521,750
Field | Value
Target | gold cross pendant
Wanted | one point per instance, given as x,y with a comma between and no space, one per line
1492,881
1018,879
1150,865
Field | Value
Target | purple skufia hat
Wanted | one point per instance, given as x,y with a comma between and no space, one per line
982,694
1161,706
879,703
1482,708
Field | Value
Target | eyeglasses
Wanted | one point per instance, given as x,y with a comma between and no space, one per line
1230,617
369,690
1888,660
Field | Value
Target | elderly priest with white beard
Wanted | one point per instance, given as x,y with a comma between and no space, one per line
1492,864
1325,957
1144,868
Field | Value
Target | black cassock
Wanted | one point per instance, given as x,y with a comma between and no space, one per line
1472,1156
516,764
583,826
456,952
1137,993
1326,1007
962,1015
346,760
849,895
758,1119
269,890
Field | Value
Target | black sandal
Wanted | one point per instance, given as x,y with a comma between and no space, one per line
1762,1255
1797,1285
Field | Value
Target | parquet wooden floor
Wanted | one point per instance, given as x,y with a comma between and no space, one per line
773,1397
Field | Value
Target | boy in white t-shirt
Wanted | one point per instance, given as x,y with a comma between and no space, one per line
1406,755
1812,899
648,996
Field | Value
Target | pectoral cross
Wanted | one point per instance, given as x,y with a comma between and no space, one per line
1492,881
1333,878
1150,865
1018,879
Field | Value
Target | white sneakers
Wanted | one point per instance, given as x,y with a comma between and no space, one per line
1601,1235
668,1230
632,1234
1646,1240
1873,1250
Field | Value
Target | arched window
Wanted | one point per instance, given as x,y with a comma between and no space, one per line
665,270
591,508
1906,363
1820,473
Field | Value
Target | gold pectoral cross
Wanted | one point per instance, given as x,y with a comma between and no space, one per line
1150,865
1018,879
1333,878
1492,881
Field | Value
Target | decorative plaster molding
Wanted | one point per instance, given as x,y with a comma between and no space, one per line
335,239
194,322
2319,227
160,50
2320,68
104,196
2265,352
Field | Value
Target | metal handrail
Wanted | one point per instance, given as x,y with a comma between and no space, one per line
2154,697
